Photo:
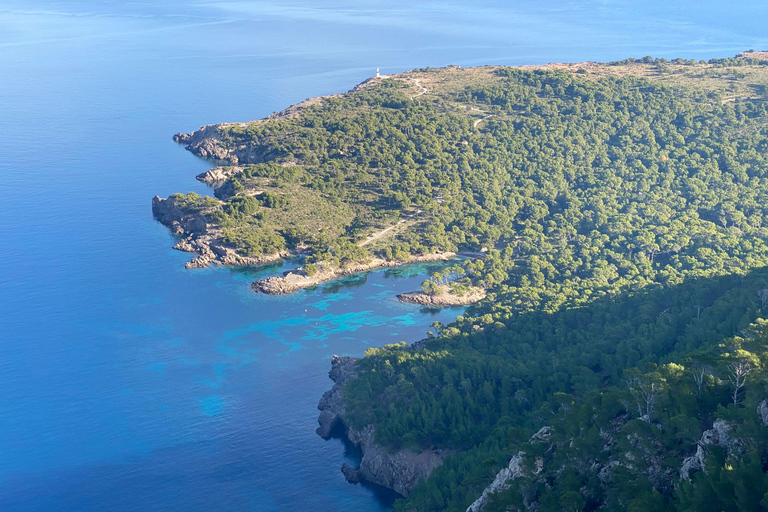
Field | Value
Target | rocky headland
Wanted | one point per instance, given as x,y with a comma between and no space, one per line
445,298
200,238
400,470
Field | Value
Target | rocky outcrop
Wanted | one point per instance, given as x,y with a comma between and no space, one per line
207,142
514,470
211,251
289,283
501,482
762,412
446,298
198,238
170,213
400,471
331,405
218,175
218,179
718,435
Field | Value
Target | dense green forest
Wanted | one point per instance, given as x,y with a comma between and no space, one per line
586,184
623,211
484,392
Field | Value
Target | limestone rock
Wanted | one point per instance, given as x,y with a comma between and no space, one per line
718,435
400,471
218,174
762,411
170,214
207,142
501,482
331,405
513,470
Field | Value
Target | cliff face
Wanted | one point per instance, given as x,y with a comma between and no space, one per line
207,143
400,471
170,214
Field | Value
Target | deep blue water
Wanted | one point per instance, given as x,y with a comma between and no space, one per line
129,383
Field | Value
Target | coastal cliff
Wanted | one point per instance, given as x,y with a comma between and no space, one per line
208,142
400,471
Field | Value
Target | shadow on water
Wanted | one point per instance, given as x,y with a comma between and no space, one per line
268,268
425,269
385,496
354,455
354,281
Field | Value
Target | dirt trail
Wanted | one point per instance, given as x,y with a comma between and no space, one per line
380,234
414,81
424,90
478,121
488,115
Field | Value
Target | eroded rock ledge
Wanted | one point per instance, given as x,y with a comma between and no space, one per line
400,471
446,298
199,238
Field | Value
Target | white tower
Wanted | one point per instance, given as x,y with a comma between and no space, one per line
377,72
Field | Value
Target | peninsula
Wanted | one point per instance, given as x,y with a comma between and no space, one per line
615,354
393,171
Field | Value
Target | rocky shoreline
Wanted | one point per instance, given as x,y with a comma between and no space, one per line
400,471
445,299
295,280
206,142
197,237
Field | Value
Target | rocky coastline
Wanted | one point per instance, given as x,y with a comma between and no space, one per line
295,280
444,299
198,237
399,471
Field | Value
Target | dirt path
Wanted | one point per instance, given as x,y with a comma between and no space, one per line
415,81
380,234
423,89
478,121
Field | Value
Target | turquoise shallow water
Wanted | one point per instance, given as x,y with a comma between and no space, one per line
130,383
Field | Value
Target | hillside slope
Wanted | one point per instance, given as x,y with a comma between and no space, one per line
621,213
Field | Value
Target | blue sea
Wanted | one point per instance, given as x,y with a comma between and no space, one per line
128,383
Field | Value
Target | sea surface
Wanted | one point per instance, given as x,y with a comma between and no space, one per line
128,383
